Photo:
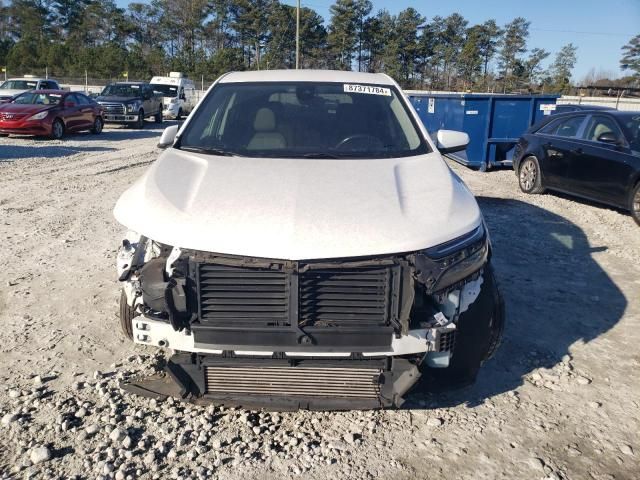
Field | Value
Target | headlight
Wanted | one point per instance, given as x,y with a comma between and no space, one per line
448,263
39,116
132,107
174,100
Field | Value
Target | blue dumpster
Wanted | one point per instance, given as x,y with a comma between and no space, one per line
494,122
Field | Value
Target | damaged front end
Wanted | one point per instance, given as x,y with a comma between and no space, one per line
318,334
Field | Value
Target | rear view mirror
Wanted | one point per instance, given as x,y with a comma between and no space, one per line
168,137
609,137
451,141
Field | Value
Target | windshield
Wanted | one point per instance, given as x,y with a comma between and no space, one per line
29,98
121,90
303,119
19,85
631,125
166,90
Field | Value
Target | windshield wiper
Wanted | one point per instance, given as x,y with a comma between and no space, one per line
320,155
209,151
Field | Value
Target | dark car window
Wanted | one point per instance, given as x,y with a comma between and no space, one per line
30,98
121,90
82,100
565,127
300,119
598,125
631,124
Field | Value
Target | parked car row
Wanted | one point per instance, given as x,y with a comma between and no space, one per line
33,106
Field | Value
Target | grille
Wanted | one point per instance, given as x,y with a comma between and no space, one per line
232,296
350,297
113,108
254,297
447,341
294,381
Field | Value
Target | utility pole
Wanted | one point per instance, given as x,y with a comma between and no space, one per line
298,36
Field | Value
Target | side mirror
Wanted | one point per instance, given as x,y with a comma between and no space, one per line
451,141
609,137
168,137
183,97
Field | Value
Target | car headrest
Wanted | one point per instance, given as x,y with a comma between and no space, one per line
265,120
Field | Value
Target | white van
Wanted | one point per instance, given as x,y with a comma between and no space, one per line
179,94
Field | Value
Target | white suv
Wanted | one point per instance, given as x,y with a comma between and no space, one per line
302,244
15,86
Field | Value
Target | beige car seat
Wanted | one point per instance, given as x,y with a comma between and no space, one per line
599,130
266,137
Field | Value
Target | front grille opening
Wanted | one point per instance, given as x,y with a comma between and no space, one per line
235,296
310,382
345,298
447,341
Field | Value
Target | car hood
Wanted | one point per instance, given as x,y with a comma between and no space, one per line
22,108
115,98
298,209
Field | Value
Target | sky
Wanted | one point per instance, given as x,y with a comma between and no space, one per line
599,28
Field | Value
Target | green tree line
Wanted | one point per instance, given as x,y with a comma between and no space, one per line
209,37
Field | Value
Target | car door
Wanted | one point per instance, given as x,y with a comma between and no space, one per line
86,111
71,112
601,169
149,101
558,145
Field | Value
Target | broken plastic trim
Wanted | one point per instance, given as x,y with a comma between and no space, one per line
444,265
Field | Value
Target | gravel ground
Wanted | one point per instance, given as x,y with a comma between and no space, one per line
559,401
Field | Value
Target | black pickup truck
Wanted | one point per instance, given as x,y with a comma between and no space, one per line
130,103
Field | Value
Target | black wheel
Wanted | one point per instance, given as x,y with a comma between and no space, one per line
140,122
158,116
97,126
635,204
4,134
179,115
530,176
57,129
126,316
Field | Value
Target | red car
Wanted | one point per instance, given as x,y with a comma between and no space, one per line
50,113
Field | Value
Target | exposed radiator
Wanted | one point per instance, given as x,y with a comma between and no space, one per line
310,382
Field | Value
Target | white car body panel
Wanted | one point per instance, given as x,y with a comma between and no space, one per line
298,209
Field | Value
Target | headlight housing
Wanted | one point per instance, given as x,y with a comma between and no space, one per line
132,107
39,116
174,100
446,264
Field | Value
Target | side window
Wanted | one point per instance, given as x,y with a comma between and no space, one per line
73,98
82,100
564,127
598,125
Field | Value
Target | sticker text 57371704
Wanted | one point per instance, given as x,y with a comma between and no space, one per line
367,89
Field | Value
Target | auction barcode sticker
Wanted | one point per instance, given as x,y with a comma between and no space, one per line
368,89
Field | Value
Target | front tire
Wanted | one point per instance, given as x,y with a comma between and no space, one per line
98,124
179,115
140,122
57,129
635,204
127,314
530,176
158,117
